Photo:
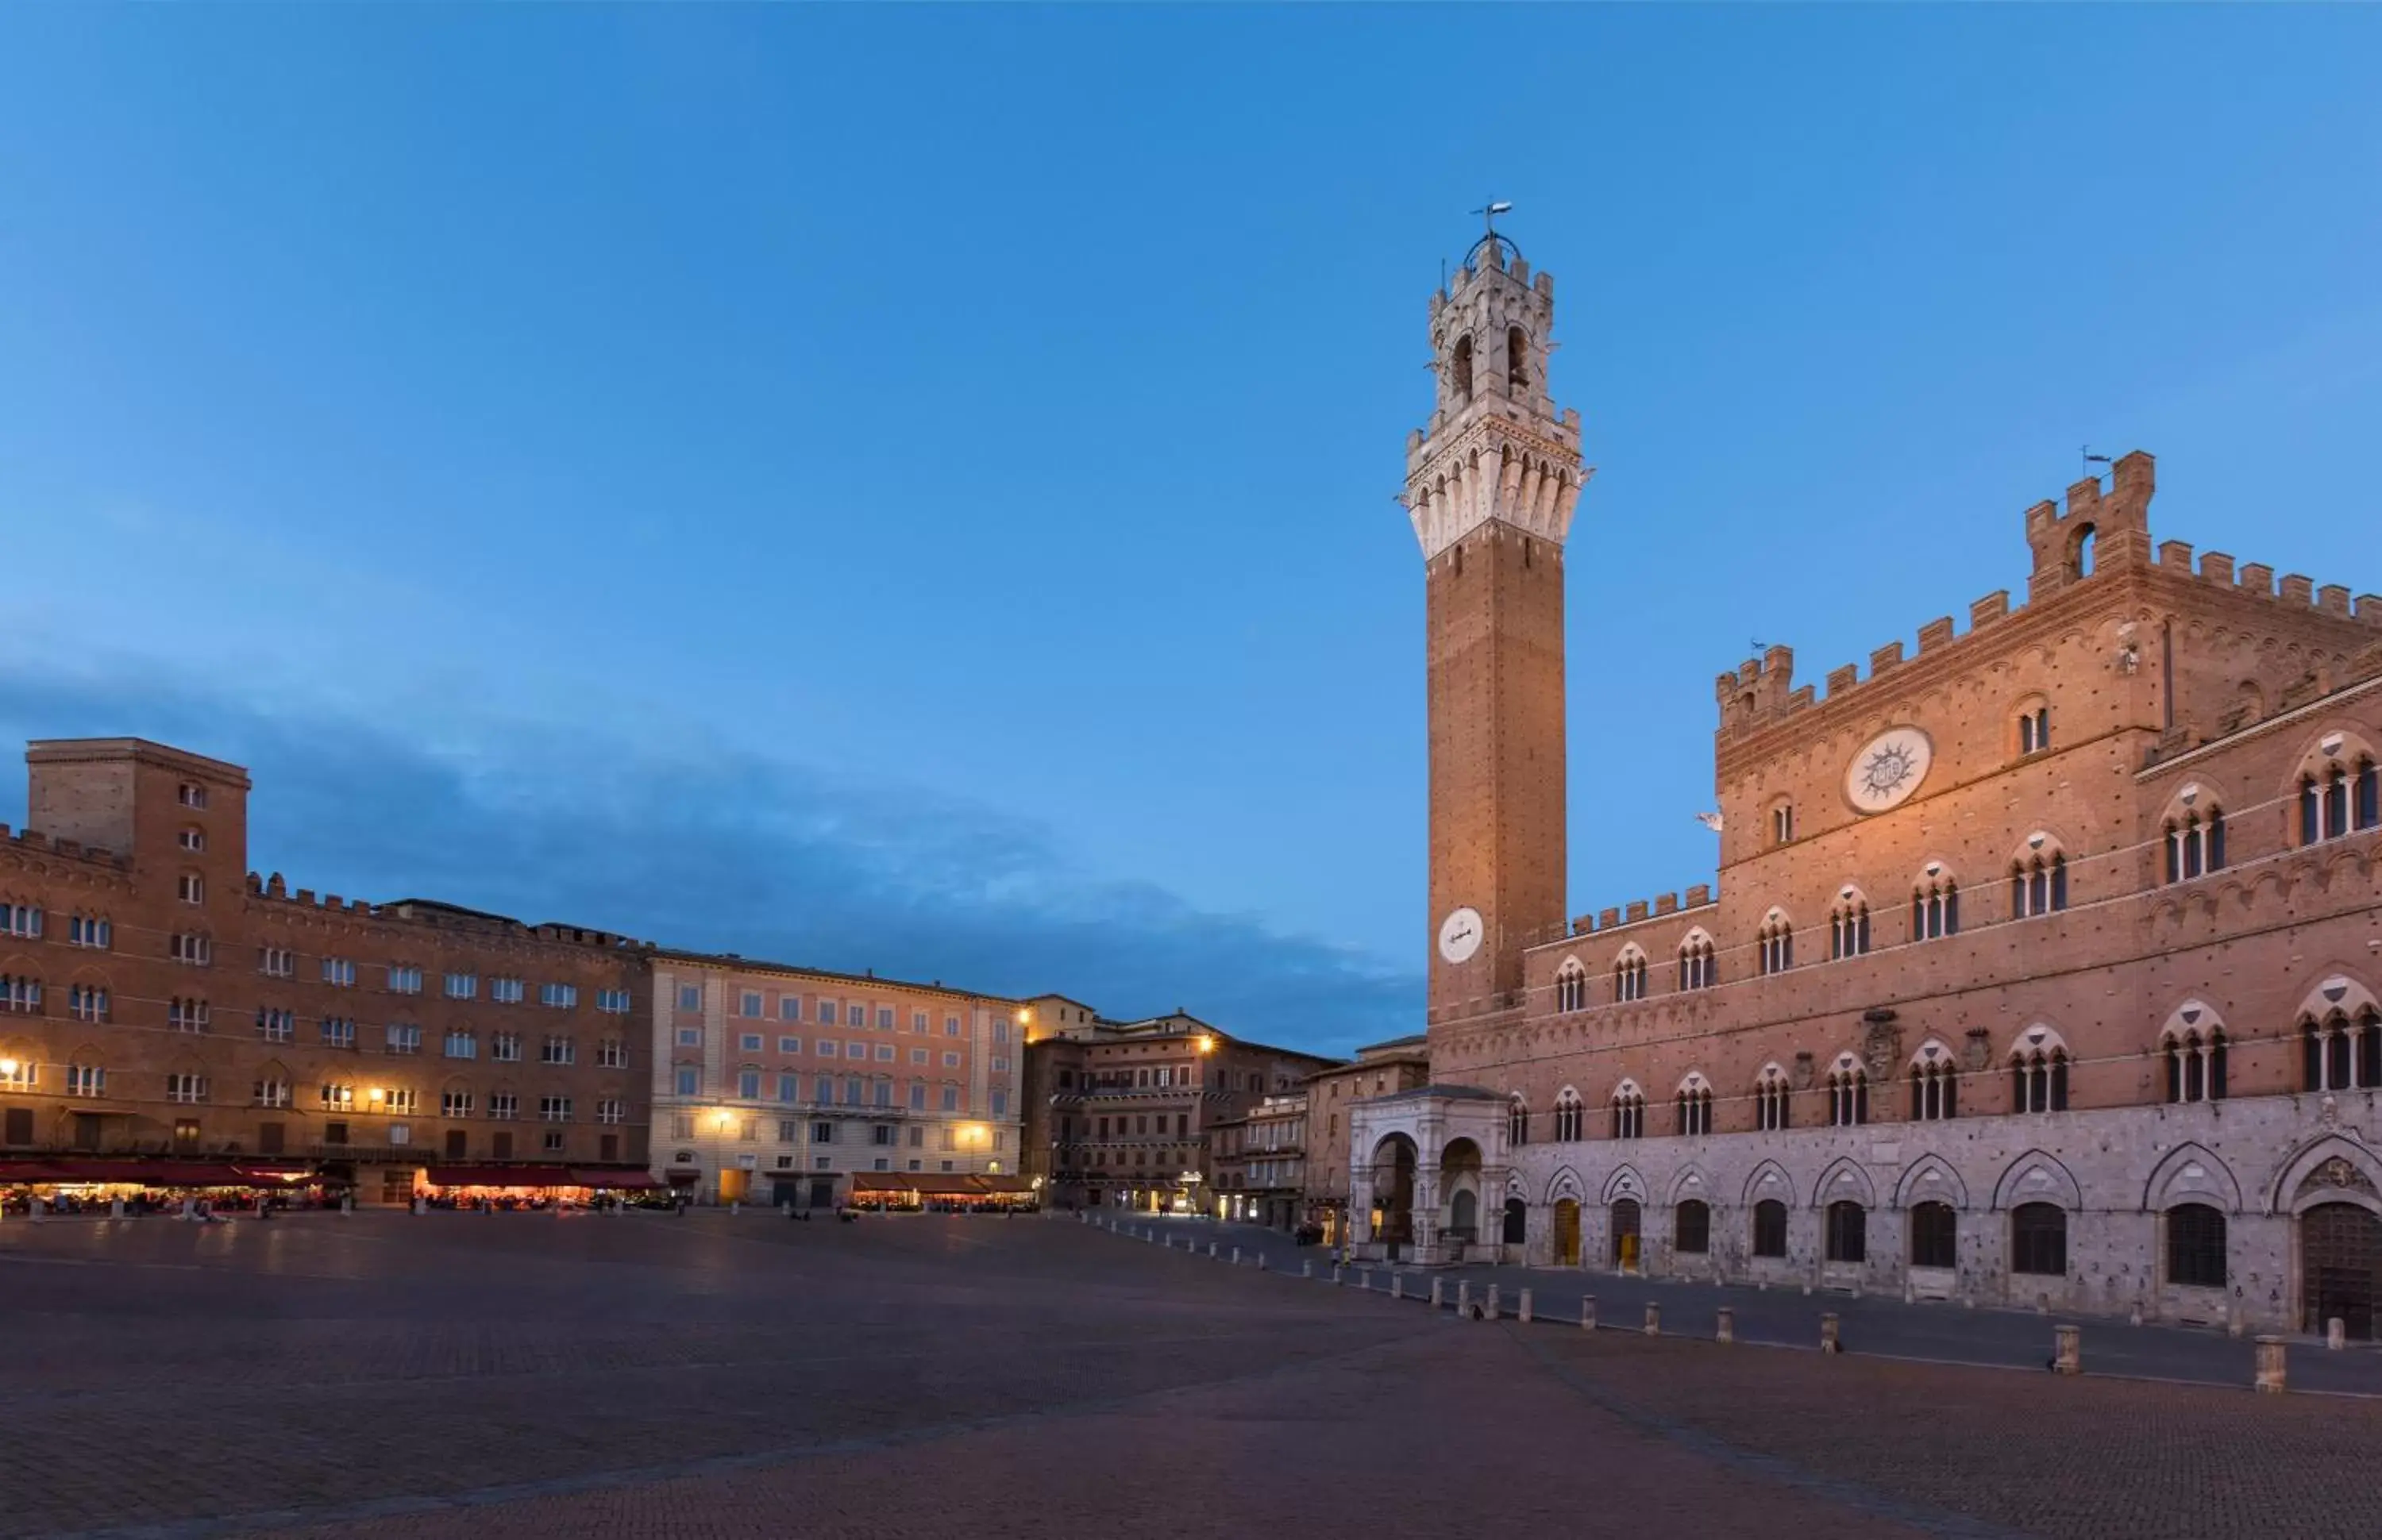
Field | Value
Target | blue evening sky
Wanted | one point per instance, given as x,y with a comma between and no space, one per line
911,488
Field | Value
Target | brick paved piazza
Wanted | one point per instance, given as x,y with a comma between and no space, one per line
718,1375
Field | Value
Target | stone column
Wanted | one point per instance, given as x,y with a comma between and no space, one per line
2067,1350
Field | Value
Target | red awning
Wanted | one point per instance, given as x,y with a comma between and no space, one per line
1005,1185
863,1181
148,1173
27,1170
617,1181
503,1176
275,1173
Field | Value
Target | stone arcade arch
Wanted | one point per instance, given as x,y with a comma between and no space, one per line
1563,1202
1394,1192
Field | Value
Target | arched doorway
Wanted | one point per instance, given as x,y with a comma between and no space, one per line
1394,1185
2340,1267
1459,1179
1624,1234
1517,1222
1567,1232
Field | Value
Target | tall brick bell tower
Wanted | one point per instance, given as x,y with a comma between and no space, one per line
1491,486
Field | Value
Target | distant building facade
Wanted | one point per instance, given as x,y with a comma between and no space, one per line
1332,1092
158,1001
787,1085
1260,1163
1121,1113
2043,964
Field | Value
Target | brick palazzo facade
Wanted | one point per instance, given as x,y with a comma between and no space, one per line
1124,1113
156,999
2042,965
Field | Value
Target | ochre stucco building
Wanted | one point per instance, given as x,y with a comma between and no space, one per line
2043,963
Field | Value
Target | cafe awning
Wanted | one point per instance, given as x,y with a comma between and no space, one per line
1003,1185
146,1173
503,1176
638,1181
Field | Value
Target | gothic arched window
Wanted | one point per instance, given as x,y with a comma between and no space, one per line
1568,1111
2039,1072
1629,976
1694,1105
1934,1085
1629,1111
1848,1093
1518,362
1460,367
1777,943
2038,883
1571,986
1517,1120
1697,967
2195,844
1848,926
1770,1099
1934,907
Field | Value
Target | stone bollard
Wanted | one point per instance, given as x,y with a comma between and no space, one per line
1337,1273
421,1208
35,1210
1910,1293
1397,1284
1724,1325
1437,1292
1828,1333
2134,1317
115,1208
2067,1350
1236,1256
736,1207
347,1205
1522,1307
1306,1267
1464,1299
2335,1334
1211,1248
1653,1319
1261,1262
1496,1306
2271,1364
1587,1313
1365,1279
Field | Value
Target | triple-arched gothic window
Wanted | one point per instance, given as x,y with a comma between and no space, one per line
1934,1084
2195,840
1848,925
1693,1105
1935,906
1629,976
1629,1111
2039,1072
2339,798
1848,1093
2038,880
1772,1099
2337,1053
1777,943
1698,968
1569,1115
1571,986
1517,1120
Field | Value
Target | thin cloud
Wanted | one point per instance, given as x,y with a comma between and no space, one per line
727,853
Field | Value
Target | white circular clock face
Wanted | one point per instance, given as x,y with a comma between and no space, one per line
1888,769
1459,934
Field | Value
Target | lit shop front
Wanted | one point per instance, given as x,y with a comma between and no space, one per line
69,1184
505,1187
913,1192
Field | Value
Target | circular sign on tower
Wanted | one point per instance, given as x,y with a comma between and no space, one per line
1459,934
1888,769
